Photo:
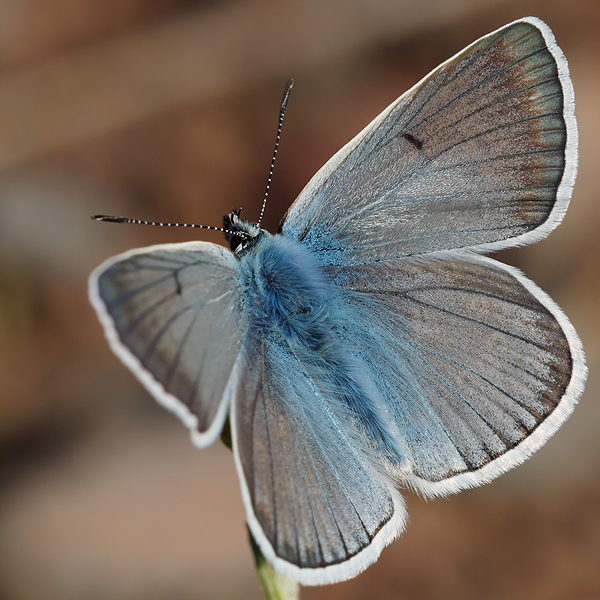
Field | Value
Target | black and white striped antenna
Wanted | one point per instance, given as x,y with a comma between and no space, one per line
284,101
111,219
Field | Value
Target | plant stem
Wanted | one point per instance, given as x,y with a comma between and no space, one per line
275,586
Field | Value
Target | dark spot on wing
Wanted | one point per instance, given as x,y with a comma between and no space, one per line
177,283
418,144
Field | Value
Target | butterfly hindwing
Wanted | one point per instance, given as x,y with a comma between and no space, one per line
477,366
317,507
481,153
173,314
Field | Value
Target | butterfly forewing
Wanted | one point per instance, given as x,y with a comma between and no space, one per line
478,154
174,315
478,367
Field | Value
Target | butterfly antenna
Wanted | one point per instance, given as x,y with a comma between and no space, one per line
284,101
111,219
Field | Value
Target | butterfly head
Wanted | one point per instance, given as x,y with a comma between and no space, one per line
241,235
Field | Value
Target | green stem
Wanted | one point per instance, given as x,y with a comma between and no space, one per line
275,585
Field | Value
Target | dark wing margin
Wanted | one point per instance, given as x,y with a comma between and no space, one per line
315,505
172,314
478,367
481,154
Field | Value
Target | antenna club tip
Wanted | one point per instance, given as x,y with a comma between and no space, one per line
110,218
286,95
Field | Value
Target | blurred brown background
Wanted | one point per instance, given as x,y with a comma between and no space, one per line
166,110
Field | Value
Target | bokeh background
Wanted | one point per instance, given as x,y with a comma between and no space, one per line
166,110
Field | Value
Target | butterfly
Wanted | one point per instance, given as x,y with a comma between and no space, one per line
368,345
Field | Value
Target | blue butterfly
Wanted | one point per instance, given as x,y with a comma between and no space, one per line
368,345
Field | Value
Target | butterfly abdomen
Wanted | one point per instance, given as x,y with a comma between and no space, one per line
290,299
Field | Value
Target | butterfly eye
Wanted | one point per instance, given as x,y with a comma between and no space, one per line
240,234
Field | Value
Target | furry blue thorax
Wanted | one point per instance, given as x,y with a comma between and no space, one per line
284,288
287,291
